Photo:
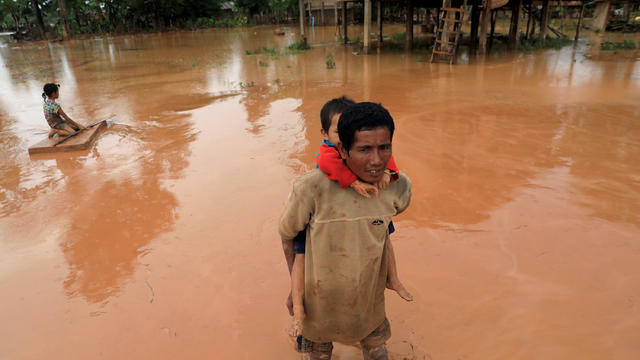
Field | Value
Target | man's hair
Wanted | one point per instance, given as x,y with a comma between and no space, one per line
363,116
332,107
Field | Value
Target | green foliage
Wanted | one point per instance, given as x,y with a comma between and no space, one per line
624,45
299,45
262,63
331,64
420,59
356,40
398,37
536,43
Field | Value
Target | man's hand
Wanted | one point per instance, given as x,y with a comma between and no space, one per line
364,189
384,182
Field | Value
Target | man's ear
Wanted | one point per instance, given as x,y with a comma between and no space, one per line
343,152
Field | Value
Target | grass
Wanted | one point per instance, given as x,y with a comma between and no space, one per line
536,43
624,45
331,64
299,45
262,63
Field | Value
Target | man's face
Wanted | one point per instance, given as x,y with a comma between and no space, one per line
332,135
369,154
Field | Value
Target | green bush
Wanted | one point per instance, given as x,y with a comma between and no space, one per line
331,64
624,45
299,45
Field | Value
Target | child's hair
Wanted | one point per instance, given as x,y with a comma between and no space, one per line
49,89
363,116
332,107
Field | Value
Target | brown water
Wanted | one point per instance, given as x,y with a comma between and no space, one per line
522,240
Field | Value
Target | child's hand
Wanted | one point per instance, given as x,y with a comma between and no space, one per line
364,189
298,321
384,182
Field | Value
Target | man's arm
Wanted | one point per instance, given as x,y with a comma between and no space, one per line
289,255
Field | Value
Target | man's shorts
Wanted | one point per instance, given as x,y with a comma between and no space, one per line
378,336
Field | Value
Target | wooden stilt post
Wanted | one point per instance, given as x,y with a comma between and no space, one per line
409,26
380,21
515,20
322,13
579,22
544,19
484,24
310,14
475,20
344,23
335,8
530,10
601,15
367,25
494,17
302,27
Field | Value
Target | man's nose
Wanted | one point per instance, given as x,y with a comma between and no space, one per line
376,158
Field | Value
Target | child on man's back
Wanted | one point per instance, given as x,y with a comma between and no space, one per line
330,162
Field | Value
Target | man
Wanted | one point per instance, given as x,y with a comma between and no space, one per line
346,262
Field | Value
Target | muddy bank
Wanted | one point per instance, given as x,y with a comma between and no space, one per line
161,242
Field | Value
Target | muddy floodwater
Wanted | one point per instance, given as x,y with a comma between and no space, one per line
160,242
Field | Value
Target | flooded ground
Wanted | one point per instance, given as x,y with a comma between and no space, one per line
522,240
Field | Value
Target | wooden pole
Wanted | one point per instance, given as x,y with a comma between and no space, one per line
530,8
380,21
409,26
544,19
344,22
367,25
475,21
601,15
322,13
484,24
515,20
579,22
301,14
335,8
494,17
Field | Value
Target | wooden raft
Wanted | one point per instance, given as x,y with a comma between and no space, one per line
82,141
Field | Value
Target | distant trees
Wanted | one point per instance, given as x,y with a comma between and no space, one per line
55,18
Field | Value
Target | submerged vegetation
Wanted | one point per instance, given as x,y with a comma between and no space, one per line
331,64
624,45
536,43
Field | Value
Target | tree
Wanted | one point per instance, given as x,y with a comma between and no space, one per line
40,22
64,15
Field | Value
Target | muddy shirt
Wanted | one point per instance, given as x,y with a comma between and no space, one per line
345,261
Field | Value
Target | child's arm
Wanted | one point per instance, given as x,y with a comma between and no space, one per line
297,291
68,119
330,162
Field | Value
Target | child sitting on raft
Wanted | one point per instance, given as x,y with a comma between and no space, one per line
59,122
330,162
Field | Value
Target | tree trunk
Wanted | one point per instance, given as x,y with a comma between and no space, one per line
66,32
36,9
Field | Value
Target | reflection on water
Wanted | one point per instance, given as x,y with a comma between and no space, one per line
205,138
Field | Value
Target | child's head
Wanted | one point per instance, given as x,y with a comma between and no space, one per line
329,116
50,90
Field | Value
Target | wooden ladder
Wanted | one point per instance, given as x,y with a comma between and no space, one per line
449,26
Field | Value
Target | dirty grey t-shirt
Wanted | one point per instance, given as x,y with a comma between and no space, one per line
345,261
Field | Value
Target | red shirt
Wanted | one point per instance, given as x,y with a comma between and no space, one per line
330,162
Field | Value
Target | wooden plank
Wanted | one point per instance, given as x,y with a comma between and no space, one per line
442,52
453,9
82,141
